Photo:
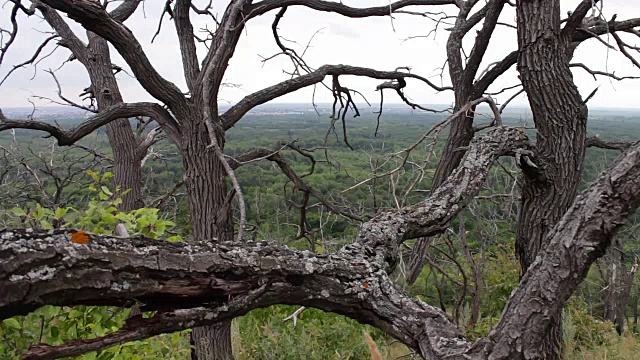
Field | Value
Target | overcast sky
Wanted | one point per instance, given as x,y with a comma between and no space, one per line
379,43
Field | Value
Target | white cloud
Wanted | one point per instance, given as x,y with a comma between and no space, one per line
373,42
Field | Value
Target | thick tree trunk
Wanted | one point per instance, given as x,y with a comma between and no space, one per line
96,59
127,170
618,282
127,159
212,342
460,136
560,117
210,210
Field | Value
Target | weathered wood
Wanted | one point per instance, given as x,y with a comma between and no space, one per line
45,267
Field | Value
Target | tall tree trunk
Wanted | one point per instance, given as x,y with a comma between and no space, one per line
560,116
126,155
635,311
96,59
210,210
460,136
618,282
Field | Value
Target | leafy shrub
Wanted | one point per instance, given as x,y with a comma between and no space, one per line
583,330
56,325
101,215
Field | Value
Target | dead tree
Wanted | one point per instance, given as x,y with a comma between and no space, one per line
48,176
617,285
103,92
214,279
200,283
550,187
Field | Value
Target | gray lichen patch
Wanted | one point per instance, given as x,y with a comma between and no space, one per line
40,274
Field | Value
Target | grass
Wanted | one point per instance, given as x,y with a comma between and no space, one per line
617,348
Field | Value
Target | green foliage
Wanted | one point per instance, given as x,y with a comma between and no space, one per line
101,215
317,335
501,275
55,325
587,338
92,205
582,330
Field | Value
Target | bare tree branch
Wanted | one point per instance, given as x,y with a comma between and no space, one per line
125,10
577,16
352,281
339,8
611,26
222,49
494,8
13,18
68,137
602,73
595,141
235,113
578,36
187,44
69,39
31,60
94,17
580,238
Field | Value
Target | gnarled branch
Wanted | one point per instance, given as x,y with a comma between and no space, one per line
41,267
595,141
339,8
95,18
235,113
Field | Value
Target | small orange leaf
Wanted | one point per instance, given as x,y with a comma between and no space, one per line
79,237
365,284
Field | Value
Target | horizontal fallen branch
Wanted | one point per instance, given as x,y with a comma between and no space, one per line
193,284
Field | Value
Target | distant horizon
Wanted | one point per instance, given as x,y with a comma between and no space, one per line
58,106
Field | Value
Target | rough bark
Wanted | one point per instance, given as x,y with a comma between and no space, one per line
363,291
575,242
212,342
201,283
127,155
210,211
560,117
351,281
386,232
96,59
